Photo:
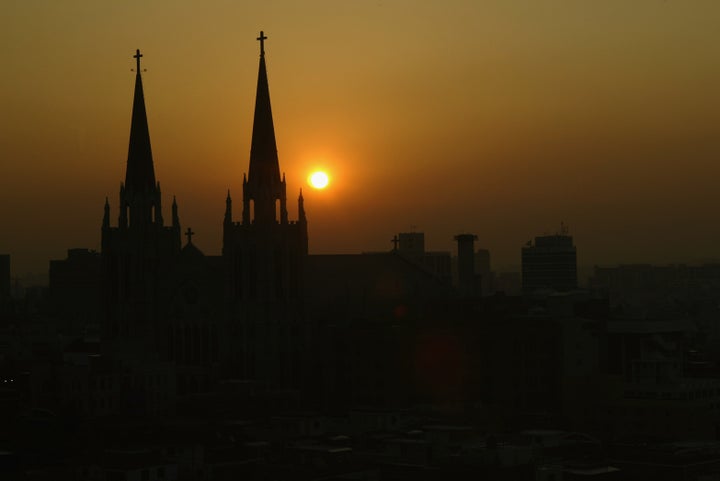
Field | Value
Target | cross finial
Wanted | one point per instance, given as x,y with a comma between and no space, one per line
189,233
137,58
262,39
395,242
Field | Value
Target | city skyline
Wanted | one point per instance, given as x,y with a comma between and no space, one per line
445,122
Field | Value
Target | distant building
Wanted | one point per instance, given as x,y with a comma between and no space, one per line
411,243
644,285
550,263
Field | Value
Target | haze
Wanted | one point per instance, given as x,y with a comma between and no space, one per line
501,118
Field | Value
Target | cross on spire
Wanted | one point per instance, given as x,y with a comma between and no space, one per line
189,233
262,39
395,242
137,58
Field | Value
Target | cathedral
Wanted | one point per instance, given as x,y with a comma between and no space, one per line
325,330
204,317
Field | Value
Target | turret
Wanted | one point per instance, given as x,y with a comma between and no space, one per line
175,217
301,208
106,215
228,209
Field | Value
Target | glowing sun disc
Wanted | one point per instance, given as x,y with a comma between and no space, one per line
319,180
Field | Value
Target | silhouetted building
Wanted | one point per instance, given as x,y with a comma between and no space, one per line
264,256
550,263
411,243
171,311
137,254
411,246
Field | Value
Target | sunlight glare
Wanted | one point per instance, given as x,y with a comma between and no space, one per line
318,180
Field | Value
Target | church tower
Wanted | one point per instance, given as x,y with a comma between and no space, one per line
139,251
264,255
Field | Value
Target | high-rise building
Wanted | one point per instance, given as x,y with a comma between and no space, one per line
550,263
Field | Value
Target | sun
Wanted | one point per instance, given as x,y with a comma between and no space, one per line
319,179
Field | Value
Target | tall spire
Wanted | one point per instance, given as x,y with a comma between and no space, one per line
140,173
264,166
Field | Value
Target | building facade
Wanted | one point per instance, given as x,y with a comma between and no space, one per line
550,263
204,317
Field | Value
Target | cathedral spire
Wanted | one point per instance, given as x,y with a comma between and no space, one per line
264,172
140,173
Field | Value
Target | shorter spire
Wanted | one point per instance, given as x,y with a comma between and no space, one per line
301,207
175,217
106,216
228,209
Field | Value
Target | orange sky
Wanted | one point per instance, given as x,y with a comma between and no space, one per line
497,117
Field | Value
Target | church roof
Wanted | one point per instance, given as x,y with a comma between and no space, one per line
264,165
371,286
140,173
190,252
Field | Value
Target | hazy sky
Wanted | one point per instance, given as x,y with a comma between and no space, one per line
497,117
